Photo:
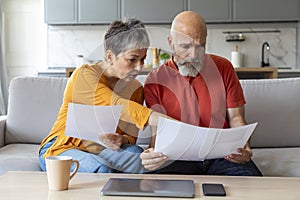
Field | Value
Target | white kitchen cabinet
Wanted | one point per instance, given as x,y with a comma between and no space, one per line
154,11
212,10
60,11
81,11
265,10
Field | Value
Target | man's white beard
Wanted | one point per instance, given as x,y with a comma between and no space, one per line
187,70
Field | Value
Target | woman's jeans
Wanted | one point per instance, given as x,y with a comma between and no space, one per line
126,159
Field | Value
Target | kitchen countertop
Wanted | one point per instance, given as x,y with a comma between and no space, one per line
297,70
53,72
256,72
62,72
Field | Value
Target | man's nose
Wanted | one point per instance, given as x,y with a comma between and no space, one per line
193,52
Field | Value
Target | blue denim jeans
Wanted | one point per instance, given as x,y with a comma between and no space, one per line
126,159
210,167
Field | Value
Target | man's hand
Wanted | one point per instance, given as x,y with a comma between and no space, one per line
153,160
112,140
241,158
236,118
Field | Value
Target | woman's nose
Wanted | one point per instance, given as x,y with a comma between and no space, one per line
139,67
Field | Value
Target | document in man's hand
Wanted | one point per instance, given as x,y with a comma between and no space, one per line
89,121
181,141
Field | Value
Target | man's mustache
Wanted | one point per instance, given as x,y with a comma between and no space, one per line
190,61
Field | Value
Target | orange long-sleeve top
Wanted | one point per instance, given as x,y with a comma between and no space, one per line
88,86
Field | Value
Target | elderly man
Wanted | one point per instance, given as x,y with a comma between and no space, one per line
199,89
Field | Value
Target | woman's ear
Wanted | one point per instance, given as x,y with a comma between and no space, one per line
109,57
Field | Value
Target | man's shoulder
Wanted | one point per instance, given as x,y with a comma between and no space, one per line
223,64
155,72
159,73
152,77
219,59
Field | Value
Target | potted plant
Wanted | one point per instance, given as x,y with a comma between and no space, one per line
163,57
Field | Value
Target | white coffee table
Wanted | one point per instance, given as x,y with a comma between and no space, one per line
33,185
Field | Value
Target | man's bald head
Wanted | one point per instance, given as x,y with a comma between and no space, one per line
191,24
187,40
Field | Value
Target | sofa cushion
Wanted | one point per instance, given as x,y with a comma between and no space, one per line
33,106
2,129
278,161
275,105
19,157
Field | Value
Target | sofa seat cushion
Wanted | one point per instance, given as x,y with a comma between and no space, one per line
278,161
19,157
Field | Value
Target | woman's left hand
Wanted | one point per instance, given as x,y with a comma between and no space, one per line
112,140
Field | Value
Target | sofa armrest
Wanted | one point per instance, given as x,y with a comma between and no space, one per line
2,129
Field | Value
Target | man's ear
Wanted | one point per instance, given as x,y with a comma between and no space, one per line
170,41
109,56
171,45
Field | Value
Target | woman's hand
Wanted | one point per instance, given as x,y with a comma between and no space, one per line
112,140
153,160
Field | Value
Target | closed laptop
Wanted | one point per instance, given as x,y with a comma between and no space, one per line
149,187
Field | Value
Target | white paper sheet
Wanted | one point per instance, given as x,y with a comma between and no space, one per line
181,141
88,121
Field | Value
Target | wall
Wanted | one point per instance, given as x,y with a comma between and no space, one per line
65,42
32,46
25,37
282,44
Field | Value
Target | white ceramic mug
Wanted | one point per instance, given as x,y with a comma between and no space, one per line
58,171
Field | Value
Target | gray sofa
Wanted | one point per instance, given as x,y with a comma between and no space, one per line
34,103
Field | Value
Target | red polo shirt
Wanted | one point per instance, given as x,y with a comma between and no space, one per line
202,100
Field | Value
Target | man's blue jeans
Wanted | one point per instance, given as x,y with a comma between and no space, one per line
126,160
210,167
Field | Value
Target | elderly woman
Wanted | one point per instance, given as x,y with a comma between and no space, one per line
110,82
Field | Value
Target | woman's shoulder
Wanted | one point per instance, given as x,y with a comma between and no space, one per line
134,84
87,72
91,69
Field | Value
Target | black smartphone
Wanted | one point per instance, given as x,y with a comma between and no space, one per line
213,189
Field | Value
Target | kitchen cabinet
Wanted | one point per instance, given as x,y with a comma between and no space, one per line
265,10
81,11
288,73
97,11
154,11
163,11
60,11
256,72
212,10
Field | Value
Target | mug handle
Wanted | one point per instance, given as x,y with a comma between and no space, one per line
76,168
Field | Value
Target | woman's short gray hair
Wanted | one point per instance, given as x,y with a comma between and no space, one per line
124,35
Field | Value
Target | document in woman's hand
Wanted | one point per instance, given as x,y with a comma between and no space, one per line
88,121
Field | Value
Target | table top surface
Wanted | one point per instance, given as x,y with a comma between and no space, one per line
33,185
255,69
